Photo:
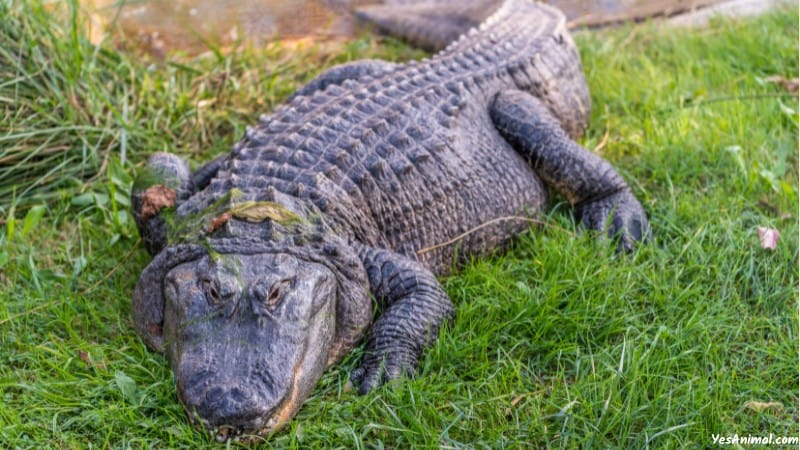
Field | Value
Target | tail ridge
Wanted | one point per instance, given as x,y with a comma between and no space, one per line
431,25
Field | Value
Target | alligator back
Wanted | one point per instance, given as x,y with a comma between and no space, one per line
409,159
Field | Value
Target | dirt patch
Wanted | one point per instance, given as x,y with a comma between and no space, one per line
193,25
600,13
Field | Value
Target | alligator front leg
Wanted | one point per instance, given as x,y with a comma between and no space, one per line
164,182
416,306
601,198
337,75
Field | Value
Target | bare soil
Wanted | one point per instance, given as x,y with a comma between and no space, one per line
157,26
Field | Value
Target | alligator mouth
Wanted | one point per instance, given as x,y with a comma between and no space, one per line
259,427
236,409
288,408
225,433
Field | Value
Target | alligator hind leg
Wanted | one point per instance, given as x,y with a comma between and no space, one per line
202,176
165,182
599,195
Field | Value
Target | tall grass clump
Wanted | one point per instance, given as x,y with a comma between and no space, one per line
61,103
68,105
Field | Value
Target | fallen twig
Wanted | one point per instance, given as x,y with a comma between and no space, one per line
484,225
726,99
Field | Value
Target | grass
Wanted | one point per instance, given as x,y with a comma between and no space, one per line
558,343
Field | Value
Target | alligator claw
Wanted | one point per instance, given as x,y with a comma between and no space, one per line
620,215
377,371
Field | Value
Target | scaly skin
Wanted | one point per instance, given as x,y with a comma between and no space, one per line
368,183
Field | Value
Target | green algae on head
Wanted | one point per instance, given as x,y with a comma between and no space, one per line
195,227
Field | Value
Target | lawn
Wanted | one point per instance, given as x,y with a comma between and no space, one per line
559,342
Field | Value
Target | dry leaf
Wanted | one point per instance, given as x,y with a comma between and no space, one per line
205,103
761,406
261,211
84,356
768,237
790,84
155,198
219,221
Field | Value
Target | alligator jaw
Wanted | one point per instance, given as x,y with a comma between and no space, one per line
277,419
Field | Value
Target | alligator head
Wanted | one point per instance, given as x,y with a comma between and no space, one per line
249,328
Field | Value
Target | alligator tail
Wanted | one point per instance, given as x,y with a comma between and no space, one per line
428,24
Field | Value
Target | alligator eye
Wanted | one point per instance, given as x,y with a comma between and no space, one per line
277,291
211,290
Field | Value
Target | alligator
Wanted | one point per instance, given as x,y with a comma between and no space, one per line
357,193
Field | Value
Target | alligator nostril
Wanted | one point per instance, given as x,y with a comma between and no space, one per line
213,398
233,408
237,395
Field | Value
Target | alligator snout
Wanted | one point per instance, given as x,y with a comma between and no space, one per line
228,410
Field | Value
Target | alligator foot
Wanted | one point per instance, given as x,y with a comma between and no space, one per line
619,214
379,368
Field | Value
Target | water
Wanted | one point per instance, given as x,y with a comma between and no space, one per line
593,13
191,25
